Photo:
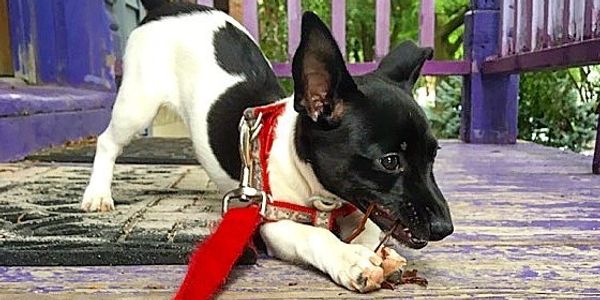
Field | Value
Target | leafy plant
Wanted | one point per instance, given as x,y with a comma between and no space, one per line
445,115
552,111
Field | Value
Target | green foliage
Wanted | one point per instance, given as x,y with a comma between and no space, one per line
445,115
273,29
552,111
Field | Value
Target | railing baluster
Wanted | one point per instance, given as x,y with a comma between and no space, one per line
515,27
506,35
294,11
524,25
382,28
576,19
538,30
546,38
587,19
427,22
210,3
251,18
338,23
566,12
596,18
555,21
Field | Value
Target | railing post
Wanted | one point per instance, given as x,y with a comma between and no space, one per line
490,102
596,162
251,18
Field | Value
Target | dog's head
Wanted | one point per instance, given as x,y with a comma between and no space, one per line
366,138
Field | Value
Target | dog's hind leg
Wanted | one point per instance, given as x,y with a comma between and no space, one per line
133,111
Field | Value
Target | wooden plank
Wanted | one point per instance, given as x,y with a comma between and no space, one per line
581,53
538,30
382,28
587,19
576,19
338,23
427,23
6,67
526,220
566,13
524,25
515,26
546,39
596,18
251,18
555,21
294,11
206,2
506,29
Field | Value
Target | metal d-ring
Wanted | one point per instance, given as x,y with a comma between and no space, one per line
245,192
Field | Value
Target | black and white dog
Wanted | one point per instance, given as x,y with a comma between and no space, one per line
362,140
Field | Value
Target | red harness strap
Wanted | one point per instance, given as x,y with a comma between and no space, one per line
214,259
279,210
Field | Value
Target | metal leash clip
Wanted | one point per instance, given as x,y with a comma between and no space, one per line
245,192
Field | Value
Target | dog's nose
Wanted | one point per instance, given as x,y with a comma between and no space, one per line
440,230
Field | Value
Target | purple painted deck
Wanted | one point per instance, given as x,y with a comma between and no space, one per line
527,224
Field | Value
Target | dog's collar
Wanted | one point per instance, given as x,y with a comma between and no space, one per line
323,213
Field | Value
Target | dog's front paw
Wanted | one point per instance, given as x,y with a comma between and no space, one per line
360,269
96,200
393,264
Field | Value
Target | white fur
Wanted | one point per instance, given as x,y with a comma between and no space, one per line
171,62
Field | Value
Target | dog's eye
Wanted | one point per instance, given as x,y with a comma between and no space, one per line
391,162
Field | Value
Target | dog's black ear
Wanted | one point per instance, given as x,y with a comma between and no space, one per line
321,80
404,63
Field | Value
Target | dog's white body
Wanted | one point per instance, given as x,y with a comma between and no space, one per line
164,66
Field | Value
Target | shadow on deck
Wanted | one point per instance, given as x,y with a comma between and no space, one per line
527,222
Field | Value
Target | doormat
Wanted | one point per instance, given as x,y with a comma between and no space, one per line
162,211
152,150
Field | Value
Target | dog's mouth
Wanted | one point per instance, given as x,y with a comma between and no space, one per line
383,217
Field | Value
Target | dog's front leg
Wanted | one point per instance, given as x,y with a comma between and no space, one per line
353,266
370,237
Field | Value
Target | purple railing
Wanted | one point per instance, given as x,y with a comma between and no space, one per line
546,34
502,38
338,28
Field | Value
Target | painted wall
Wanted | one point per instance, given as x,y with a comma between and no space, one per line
64,42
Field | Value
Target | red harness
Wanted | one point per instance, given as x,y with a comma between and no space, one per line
214,259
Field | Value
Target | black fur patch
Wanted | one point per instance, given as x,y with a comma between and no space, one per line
153,4
173,9
237,54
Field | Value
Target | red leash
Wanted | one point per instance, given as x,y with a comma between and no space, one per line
214,259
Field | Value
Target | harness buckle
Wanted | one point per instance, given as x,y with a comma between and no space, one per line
246,192
246,195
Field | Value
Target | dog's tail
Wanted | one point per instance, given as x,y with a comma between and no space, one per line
150,5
